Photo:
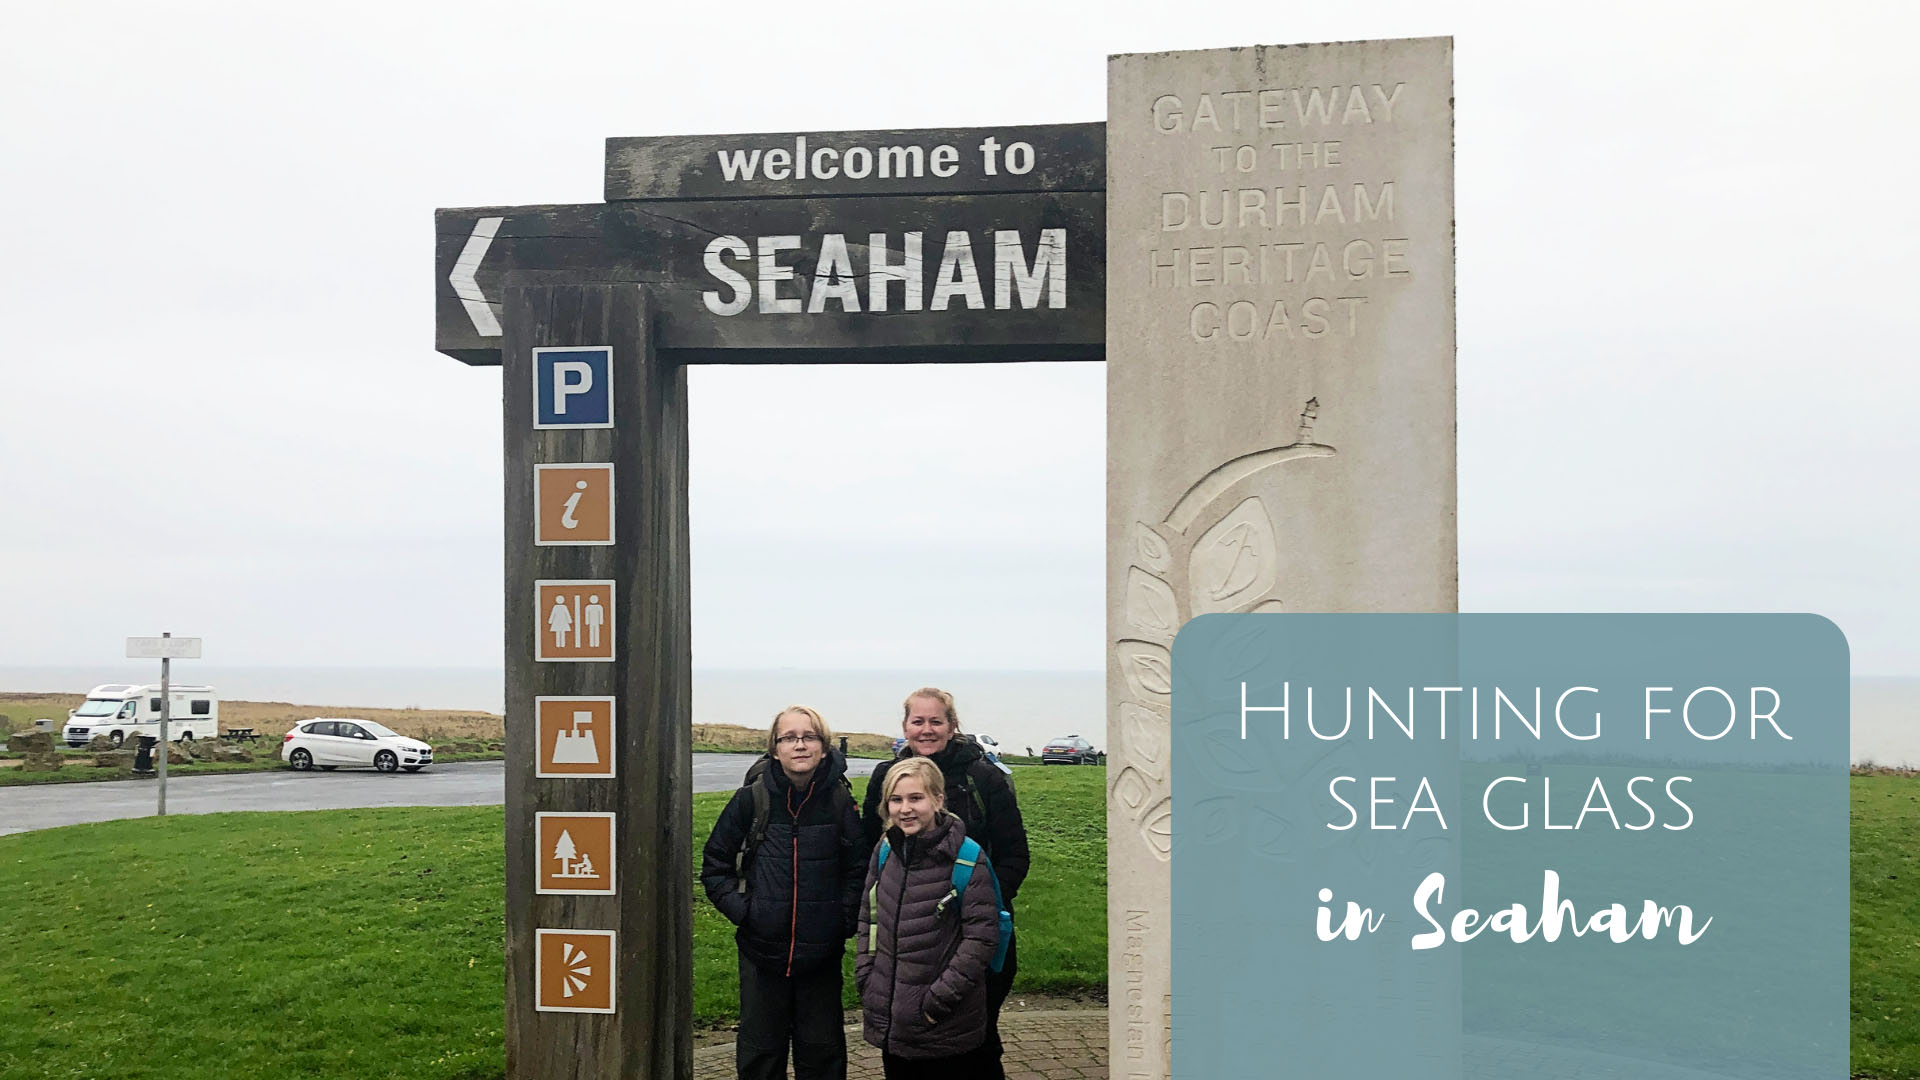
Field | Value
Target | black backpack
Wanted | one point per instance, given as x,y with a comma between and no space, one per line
976,770
839,795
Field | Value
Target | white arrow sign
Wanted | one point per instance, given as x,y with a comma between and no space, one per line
163,648
484,313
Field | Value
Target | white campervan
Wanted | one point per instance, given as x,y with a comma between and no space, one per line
121,711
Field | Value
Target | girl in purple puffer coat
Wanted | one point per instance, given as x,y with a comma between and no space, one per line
921,953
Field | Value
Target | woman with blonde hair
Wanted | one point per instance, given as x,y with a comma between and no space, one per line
784,864
923,946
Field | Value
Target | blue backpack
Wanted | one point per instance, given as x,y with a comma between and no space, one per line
963,865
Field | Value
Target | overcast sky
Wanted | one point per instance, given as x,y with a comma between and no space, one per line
1687,259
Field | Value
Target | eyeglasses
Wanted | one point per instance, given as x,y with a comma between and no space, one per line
796,740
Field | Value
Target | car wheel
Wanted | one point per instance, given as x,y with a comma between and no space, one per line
187,737
386,761
415,768
300,759
328,768
118,738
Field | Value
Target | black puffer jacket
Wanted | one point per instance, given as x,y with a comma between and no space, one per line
973,782
921,967
803,892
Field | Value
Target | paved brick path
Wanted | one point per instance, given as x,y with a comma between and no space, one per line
1060,1044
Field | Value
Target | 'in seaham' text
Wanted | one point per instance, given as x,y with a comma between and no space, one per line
1557,916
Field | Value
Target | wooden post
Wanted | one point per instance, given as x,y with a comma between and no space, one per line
647,1031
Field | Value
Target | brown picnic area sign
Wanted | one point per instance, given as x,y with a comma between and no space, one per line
1278,330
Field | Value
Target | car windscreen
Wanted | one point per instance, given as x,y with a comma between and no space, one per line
98,707
380,730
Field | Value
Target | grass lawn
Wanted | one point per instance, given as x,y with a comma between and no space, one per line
365,943
1886,926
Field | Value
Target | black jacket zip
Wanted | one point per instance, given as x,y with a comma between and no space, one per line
899,903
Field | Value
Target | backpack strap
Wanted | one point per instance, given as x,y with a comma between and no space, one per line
756,832
873,896
963,865
841,798
974,776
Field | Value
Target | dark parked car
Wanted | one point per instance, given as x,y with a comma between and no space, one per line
1069,750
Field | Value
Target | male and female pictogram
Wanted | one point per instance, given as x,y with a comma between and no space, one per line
575,620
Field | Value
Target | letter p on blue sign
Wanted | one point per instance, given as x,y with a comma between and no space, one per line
573,387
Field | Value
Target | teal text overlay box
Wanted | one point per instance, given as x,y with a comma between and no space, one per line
1489,846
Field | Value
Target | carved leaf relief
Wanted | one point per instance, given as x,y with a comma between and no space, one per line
1228,755
1217,819
1236,561
1150,549
1148,668
1151,606
1158,830
1271,835
1145,731
1131,788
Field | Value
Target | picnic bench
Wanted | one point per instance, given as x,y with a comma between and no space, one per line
240,734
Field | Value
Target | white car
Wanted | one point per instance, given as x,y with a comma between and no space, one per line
991,747
332,742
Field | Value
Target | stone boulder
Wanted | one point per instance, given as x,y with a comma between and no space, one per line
177,756
42,762
210,751
99,743
30,742
114,759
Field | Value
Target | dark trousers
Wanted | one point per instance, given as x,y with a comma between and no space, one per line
971,1065
802,1011
999,984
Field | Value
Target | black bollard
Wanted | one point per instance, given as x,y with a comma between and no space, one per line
143,756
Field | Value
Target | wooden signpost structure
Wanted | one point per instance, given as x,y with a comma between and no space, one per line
956,246
1280,437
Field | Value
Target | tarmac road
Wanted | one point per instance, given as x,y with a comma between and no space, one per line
473,783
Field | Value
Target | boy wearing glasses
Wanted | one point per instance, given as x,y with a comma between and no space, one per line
784,864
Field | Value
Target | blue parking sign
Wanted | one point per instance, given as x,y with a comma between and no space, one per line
573,387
